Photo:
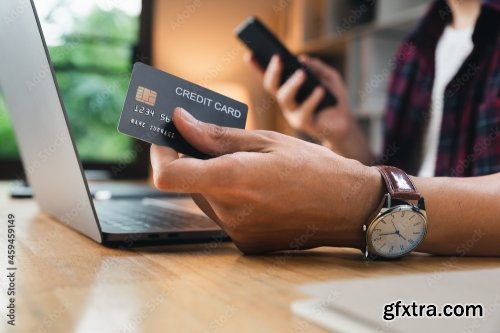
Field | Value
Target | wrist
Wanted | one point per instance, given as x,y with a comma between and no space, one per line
370,196
350,142
340,131
359,202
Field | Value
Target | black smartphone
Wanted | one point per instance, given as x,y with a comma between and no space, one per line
264,44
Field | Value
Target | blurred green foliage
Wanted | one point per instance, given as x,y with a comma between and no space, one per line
92,64
8,149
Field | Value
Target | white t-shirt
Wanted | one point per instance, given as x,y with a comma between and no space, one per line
452,49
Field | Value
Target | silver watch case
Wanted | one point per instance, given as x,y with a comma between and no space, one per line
386,209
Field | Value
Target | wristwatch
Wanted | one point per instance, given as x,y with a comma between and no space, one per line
400,221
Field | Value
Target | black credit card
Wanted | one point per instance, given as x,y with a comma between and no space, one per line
152,97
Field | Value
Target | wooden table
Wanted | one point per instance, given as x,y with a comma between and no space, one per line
68,283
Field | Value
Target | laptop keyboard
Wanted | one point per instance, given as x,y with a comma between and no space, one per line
131,216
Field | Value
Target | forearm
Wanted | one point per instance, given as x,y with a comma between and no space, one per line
353,145
463,215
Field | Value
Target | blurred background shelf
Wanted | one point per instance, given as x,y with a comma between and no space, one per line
359,38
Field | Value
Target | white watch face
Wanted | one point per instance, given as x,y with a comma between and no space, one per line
396,232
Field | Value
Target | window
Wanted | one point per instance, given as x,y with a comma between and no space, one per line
91,44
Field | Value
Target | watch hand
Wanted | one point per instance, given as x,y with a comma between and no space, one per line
401,236
394,225
389,233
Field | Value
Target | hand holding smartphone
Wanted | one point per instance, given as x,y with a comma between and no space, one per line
264,44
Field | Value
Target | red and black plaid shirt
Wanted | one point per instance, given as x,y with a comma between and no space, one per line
469,143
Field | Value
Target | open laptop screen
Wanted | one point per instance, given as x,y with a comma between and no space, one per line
91,44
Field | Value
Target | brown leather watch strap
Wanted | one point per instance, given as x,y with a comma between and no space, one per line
398,183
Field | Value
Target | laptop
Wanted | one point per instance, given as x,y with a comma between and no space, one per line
50,158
